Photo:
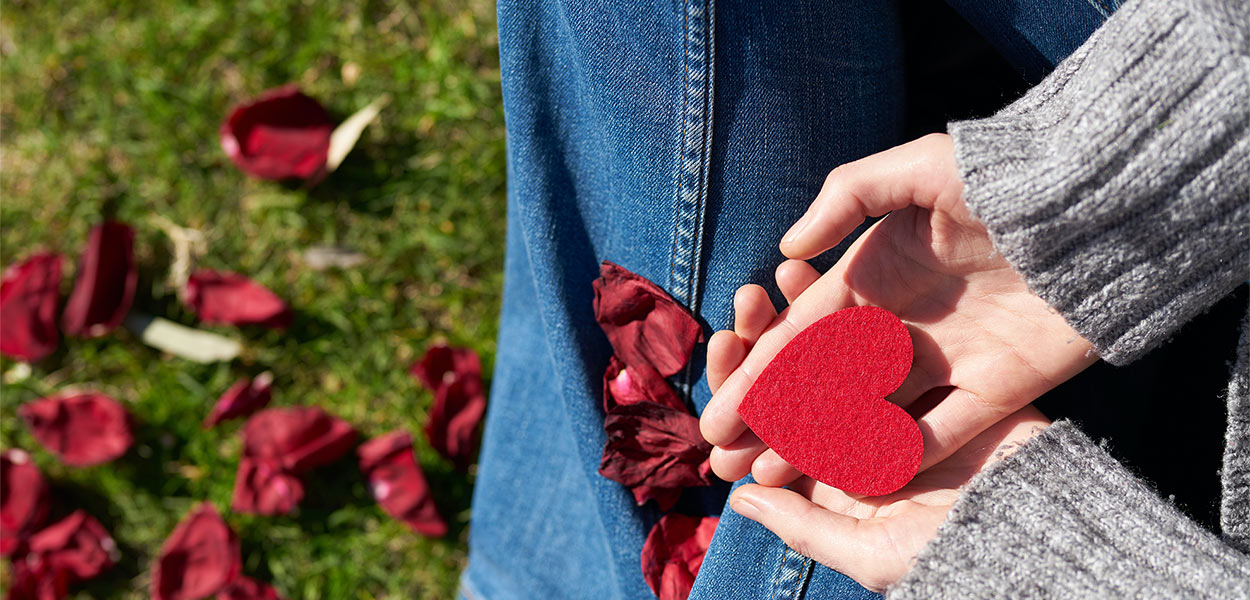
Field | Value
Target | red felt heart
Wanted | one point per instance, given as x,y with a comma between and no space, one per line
820,404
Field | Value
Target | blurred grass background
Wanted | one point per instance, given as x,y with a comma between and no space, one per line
112,109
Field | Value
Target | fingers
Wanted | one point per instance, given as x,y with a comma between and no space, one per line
835,540
732,462
956,420
794,277
771,470
725,351
753,312
914,173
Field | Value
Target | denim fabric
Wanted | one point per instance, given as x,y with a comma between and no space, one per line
678,140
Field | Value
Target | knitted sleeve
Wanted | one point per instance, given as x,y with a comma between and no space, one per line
1119,187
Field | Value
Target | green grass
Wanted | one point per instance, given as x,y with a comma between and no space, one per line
112,109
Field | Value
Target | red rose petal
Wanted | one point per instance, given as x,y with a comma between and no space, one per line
298,438
655,446
29,293
246,588
23,500
830,418
243,398
454,375
262,487
223,297
77,544
35,579
105,285
82,429
673,553
281,134
646,327
622,385
200,558
398,483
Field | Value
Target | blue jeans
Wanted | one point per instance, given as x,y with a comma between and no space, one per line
678,140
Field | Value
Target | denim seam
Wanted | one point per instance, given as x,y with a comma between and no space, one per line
790,580
693,159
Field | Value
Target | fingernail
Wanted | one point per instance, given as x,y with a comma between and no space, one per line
744,507
797,228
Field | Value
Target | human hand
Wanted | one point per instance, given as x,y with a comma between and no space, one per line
875,540
984,345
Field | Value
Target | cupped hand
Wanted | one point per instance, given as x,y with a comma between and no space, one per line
985,345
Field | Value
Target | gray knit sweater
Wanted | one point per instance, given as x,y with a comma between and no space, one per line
1120,188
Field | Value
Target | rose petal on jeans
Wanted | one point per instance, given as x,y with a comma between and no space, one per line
646,327
673,553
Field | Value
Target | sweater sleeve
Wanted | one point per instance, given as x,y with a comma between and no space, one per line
1062,519
1119,187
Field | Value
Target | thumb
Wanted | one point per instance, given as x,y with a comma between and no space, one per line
835,540
917,172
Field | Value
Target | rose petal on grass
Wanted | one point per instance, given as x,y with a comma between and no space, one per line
29,293
263,487
82,429
298,438
223,297
398,483
105,285
673,553
77,544
646,326
622,385
282,134
656,446
24,497
200,558
35,579
243,398
454,375
246,588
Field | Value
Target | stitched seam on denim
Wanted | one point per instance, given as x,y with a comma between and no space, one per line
790,579
696,125
1101,7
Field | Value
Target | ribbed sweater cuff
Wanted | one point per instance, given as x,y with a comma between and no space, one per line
1119,187
1060,518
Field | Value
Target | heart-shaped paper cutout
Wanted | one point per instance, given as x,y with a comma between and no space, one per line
820,404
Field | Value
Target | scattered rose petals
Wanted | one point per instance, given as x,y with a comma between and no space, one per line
230,298
673,553
654,446
29,293
282,134
398,483
23,500
455,377
243,398
246,588
35,579
77,544
105,284
298,438
622,385
200,558
264,487
646,327
82,429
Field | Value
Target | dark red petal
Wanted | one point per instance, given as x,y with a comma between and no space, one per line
243,398
625,385
105,285
654,445
646,327
199,559
29,293
673,553
24,500
299,438
665,498
225,297
81,429
35,579
454,375
398,483
77,544
281,134
246,588
263,487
